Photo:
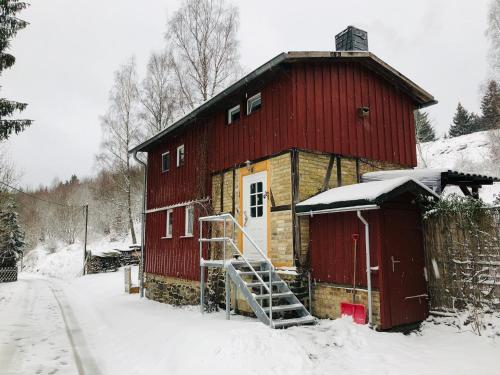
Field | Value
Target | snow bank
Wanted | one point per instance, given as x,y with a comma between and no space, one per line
468,153
66,261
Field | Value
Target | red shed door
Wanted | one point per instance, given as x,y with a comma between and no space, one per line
405,285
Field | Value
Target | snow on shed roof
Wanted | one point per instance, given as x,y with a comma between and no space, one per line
367,193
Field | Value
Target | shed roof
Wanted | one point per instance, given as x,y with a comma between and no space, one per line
364,194
421,97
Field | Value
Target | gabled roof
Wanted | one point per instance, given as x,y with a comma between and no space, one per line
421,97
364,194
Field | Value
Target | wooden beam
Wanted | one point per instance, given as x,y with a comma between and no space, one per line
465,190
295,199
328,173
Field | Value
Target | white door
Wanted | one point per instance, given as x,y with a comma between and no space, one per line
255,214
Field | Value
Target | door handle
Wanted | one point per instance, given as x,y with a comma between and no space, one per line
394,261
245,218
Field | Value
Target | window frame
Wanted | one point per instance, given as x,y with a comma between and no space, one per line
187,211
177,162
251,99
162,155
169,223
230,112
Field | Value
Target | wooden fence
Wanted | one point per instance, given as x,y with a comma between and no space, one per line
463,260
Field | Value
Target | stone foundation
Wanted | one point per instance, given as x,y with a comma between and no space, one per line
172,290
327,298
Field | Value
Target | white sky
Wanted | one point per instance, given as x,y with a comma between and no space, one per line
67,56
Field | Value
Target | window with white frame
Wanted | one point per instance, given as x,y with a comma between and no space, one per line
254,103
180,155
233,114
165,161
189,225
169,223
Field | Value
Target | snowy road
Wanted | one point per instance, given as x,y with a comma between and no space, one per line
38,331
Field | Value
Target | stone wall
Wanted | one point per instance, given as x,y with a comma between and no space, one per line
172,290
327,298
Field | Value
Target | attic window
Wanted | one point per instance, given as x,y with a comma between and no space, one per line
233,114
165,161
180,155
254,103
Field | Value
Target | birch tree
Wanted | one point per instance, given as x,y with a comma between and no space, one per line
159,94
205,56
493,34
121,130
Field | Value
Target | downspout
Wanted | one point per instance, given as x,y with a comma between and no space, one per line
368,266
143,225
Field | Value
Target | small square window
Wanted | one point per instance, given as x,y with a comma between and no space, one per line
180,155
189,224
233,114
254,103
169,223
165,162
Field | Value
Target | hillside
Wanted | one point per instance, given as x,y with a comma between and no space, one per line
468,153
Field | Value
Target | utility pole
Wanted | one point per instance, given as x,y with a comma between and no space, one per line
86,208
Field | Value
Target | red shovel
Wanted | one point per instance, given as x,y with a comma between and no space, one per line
357,311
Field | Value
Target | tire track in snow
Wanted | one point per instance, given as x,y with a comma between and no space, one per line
83,360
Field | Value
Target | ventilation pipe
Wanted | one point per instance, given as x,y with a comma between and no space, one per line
368,266
143,225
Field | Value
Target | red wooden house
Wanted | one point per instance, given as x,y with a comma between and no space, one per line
301,124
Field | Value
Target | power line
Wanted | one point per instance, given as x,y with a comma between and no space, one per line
38,198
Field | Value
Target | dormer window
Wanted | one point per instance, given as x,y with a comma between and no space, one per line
233,114
254,103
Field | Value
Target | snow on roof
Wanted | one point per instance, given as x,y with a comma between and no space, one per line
374,192
430,177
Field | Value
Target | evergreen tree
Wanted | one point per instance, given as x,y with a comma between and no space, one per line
9,26
490,107
463,122
424,130
11,236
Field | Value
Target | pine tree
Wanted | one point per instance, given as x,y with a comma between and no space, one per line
9,26
11,236
424,131
463,122
490,107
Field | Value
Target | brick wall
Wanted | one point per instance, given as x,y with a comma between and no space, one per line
327,298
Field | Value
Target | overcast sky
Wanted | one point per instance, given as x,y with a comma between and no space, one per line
67,56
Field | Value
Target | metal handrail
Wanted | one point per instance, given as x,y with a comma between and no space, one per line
223,218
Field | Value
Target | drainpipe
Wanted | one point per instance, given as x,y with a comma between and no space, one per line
368,266
143,225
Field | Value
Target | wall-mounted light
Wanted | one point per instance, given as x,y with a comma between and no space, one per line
248,164
363,112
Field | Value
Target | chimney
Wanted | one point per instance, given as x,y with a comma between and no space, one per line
351,39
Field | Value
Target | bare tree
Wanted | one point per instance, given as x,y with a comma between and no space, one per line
205,56
493,34
159,94
121,130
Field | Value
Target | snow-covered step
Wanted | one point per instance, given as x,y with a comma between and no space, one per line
275,295
282,323
281,308
258,283
251,273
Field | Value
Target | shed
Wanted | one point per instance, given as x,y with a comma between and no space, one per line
390,271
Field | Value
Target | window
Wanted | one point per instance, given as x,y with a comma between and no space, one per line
169,223
180,155
233,114
165,161
189,221
256,199
254,103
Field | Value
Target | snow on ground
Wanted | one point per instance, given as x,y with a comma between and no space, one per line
468,153
66,261
128,335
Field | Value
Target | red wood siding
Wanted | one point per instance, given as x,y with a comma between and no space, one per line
176,256
311,106
332,248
